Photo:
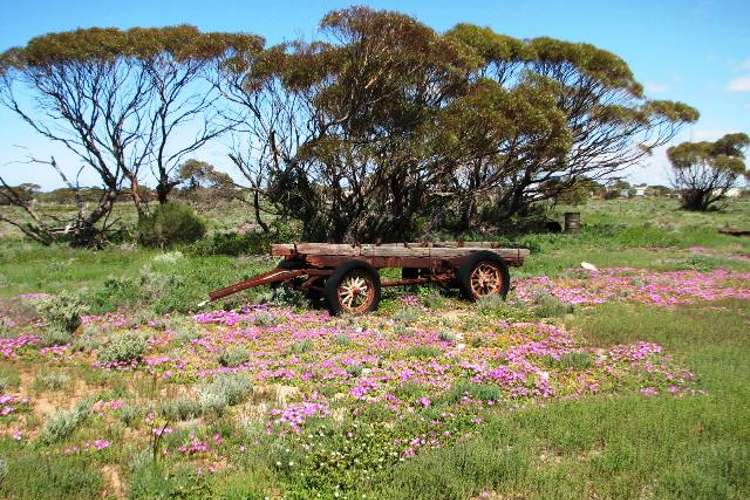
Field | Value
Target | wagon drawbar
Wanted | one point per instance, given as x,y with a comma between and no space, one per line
348,278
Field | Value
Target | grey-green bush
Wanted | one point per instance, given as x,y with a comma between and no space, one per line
62,312
64,422
223,391
124,348
233,356
170,224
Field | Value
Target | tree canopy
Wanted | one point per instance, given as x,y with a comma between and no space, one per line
380,129
705,171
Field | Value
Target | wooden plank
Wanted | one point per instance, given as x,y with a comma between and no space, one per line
390,250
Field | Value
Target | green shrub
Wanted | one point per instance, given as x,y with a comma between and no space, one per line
129,414
182,408
170,224
54,335
406,316
265,319
234,244
62,311
342,340
482,392
51,381
301,346
124,348
64,422
549,306
233,356
223,391
447,337
9,378
573,360
354,369
424,351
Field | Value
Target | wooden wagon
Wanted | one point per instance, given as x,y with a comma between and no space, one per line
347,276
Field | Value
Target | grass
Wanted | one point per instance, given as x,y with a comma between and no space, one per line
616,444
626,447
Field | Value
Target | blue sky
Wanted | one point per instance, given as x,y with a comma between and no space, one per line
693,51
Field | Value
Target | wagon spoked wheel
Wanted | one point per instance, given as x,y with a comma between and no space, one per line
356,292
486,279
483,273
353,288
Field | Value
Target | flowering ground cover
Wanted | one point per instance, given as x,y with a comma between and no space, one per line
277,401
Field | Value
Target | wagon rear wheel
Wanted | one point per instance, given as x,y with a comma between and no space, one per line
353,288
482,274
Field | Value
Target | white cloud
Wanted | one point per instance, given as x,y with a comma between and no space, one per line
656,88
739,84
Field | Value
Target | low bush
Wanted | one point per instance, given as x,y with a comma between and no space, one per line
233,356
125,348
182,408
223,391
549,306
64,422
424,351
482,392
62,312
50,381
54,335
234,244
170,224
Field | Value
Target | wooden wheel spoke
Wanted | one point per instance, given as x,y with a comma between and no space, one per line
486,279
356,292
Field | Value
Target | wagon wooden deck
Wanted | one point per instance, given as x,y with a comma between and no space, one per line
347,276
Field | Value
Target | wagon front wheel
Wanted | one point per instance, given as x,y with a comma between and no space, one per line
482,274
353,288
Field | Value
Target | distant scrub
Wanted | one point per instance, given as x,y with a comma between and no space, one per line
170,224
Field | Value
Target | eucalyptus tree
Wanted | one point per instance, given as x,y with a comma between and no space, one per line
705,171
119,101
572,110
384,127
340,147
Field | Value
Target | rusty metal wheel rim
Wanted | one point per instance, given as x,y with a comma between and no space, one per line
356,292
486,279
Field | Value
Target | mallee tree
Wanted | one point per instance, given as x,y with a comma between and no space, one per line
705,171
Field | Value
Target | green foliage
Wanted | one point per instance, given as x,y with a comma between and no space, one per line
482,392
406,315
124,348
170,224
248,243
154,480
354,369
62,312
302,346
55,335
549,306
51,381
573,360
232,356
182,408
9,378
705,171
424,351
50,477
223,391
62,424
